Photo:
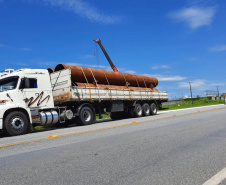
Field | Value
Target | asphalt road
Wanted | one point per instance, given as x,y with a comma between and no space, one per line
176,147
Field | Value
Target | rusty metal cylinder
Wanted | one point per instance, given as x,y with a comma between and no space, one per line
83,74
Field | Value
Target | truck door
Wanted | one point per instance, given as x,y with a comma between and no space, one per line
33,95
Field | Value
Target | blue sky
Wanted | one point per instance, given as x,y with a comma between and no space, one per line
177,41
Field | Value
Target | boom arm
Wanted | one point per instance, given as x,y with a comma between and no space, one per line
106,55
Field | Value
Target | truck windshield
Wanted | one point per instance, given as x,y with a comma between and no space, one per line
9,83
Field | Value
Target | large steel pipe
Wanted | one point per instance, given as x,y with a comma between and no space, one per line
83,74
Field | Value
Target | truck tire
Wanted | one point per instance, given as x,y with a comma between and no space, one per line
146,109
136,111
16,123
85,116
153,109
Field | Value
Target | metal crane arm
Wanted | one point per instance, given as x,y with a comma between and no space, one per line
106,55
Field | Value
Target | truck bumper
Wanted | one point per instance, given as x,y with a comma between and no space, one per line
1,123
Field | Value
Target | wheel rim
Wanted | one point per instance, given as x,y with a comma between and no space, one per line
146,109
87,116
17,123
139,110
154,109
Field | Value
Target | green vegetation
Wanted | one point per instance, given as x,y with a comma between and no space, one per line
103,116
45,127
197,102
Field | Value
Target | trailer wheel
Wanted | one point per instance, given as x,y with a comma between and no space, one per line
85,116
153,109
136,111
16,123
146,109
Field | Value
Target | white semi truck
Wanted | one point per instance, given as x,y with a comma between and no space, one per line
30,97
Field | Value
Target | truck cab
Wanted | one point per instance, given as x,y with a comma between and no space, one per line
23,93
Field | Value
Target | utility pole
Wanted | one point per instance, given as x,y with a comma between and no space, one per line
218,91
191,92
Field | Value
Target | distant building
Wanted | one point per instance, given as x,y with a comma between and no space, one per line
223,95
210,93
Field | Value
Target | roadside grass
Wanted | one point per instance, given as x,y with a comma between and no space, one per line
45,127
197,102
103,116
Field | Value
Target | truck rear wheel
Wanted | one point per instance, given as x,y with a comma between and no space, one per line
153,109
16,123
136,111
146,109
85,116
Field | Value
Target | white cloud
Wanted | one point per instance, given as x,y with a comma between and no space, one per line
167,78
201,85
161,67
195,17
198,83
84,9
129,71
217,84
218,48
25,49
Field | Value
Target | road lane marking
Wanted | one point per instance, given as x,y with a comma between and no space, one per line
217,179
99,129
52,136
208,106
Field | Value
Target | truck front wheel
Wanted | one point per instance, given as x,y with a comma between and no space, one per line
85,116
16,123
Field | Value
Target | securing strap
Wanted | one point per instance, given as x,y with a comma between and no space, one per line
138,86
145,84
109,87
159,94
88,84
127,85
96,84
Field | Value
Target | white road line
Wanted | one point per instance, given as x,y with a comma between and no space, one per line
217,179
191,108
